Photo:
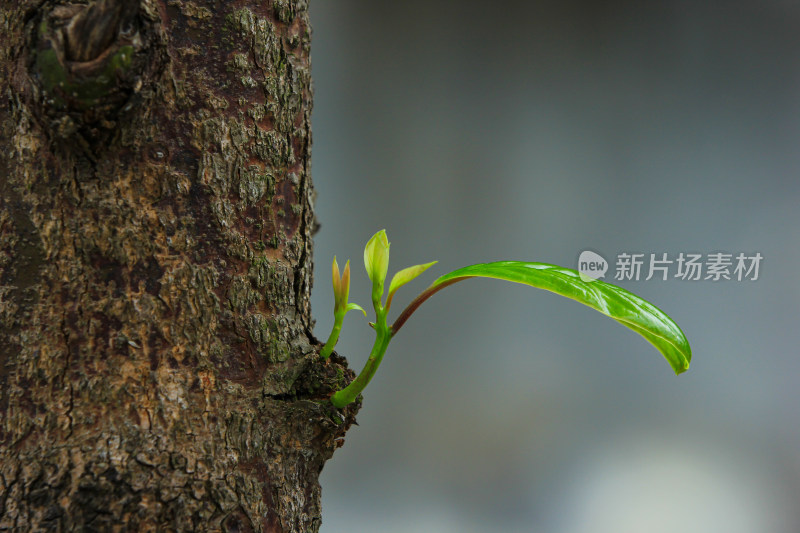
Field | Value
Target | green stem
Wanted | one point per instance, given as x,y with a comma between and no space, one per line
383,335
334,336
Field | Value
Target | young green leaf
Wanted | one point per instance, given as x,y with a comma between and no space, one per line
354,307
626,308
403,277
376,261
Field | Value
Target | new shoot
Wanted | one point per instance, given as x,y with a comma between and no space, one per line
625,307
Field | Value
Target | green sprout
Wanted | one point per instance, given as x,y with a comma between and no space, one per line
626,308
341,291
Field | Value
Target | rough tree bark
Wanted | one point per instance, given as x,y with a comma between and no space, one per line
157,367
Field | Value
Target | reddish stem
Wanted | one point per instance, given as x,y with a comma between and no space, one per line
424,295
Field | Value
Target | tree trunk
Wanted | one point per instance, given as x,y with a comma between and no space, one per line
157,367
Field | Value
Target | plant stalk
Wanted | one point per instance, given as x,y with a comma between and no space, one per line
383,335
419,300
334,336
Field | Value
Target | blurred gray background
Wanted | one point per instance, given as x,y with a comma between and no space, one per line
479,131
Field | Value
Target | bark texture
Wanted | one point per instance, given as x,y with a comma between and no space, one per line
157,367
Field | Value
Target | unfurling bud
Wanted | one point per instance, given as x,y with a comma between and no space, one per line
341,287
341,291
376,261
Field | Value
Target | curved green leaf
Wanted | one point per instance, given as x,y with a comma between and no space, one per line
404,276
626,308
354,307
